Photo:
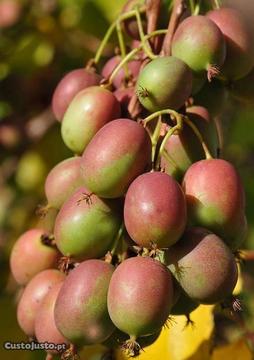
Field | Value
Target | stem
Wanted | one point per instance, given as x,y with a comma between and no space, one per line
116,241
110,31
216,4
152,14
131,54
155,138
171,131
146,46
160,112
192,6
197,9
199,136
122,47
178,8
104,43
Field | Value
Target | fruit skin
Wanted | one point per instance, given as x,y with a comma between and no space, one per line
73,82
62,181
215,199
165,82
87,113
140,296
85,229
203,265
85,320
32,297
133,67
116,155
155,210
199,43
240,50
184,148
45,327
30,255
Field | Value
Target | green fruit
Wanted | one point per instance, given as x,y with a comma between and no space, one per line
200,44
86,225
165,82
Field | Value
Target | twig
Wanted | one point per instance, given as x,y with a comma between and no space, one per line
178,8
152,14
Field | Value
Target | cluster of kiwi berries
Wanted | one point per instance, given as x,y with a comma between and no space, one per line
149,218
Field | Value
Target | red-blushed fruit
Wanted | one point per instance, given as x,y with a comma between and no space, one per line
31,298
183,149
130,25
119,79
200,44
215,199
45,327
32,254
87,113
116,155
73,82
203,265
140,296
10,11
155,210
165,82
239,44
86,225
62,181
81,313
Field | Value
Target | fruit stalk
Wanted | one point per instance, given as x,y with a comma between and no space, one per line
178,8
110,31
132,53
199,136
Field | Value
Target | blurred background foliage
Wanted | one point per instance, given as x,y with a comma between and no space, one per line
40,40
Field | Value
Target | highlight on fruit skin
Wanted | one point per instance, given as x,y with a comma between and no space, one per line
165,82
199,42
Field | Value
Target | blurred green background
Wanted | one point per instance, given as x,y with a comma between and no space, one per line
40,40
